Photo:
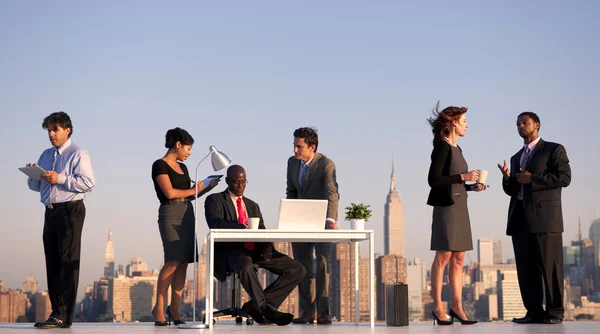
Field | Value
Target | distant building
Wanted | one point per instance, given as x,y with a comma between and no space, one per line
109,257
393,221
30,286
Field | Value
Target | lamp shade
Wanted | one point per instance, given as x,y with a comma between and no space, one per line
218,159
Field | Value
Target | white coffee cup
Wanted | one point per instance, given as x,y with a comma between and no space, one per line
482,176
254,223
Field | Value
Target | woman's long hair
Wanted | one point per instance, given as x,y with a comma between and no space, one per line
441,121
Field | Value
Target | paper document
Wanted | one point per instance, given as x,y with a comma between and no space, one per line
34,172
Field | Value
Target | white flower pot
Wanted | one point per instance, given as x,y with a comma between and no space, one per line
357,224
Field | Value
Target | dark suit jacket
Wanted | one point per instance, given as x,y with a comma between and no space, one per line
549,166
220,212
321,182
439,177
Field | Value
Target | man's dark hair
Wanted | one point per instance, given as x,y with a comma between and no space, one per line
178,135
59,118
534,117
234,170
309,135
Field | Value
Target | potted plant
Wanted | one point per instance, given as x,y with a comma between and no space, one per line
358,214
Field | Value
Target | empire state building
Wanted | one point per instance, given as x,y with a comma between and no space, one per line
393,221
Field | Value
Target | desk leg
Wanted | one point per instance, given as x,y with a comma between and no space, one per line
209,278
356,284
372,279
207,287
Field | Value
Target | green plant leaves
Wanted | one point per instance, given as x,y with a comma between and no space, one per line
358,211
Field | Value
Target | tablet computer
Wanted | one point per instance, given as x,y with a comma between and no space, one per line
34,172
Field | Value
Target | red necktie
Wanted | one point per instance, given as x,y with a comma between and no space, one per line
243,219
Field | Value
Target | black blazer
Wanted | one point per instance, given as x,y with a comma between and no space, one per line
220,212
439,177
549,166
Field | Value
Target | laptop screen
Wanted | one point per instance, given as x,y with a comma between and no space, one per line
302,214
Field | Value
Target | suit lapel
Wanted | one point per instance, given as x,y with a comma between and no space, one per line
296,173
539,147
230,207
249,208
312,168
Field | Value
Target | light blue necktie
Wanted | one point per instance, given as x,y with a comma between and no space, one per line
46,189
303,169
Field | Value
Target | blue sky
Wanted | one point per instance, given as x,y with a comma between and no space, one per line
243,75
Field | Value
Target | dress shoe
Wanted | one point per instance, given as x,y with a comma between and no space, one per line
552,321
279,318
169,315
461,320
441,322
305,318
52,322
324,319
253,310
527,320
159,323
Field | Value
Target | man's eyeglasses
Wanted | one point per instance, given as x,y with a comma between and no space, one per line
240,183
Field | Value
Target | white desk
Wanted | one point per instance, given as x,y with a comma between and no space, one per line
235,235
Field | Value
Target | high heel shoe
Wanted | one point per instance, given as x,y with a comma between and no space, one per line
441,322
462,321
170,316
158,323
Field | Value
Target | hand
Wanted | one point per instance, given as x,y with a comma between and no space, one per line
50,176
329,225
479,187
31,164
504,170
470,176
523,176
266,252
200,186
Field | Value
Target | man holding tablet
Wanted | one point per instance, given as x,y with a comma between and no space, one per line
62,188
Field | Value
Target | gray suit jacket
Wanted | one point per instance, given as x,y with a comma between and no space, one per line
321,182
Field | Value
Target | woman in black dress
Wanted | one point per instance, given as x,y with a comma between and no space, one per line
175,222
451,228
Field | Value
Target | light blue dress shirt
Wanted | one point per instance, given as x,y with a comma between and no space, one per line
75,174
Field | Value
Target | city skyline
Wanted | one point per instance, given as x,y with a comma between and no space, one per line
365,75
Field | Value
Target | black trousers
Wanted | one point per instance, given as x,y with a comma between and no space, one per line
539,260
62,246
289,271
314,288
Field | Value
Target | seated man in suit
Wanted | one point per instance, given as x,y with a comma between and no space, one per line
231,210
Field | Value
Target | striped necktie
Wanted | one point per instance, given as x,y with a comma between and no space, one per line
46,189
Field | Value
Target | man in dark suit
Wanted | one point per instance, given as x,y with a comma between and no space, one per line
311,175
537,174
231,210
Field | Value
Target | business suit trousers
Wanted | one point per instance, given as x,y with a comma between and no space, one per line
314,288
539,262
62,247
289,273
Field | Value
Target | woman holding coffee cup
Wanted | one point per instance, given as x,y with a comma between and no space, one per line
451,228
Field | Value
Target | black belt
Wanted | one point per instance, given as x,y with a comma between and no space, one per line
58,205
175,201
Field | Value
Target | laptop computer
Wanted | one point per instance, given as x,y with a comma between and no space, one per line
302,214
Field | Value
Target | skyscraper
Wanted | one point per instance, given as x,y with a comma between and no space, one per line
393,221
497,252
389,269
416,276
30,285
109,257
485,251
